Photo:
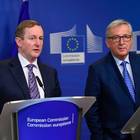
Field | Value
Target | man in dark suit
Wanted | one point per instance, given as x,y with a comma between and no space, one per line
14,80
114,102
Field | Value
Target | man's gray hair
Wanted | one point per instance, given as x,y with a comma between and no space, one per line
115,23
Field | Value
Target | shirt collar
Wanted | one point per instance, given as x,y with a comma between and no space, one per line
118,61
24,62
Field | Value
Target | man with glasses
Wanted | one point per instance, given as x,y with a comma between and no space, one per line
115,82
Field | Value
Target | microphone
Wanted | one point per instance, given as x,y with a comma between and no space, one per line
40,84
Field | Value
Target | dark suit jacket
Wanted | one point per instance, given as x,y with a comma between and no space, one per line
13,85
114,105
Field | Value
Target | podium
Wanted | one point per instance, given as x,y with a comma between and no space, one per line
50,118
133,126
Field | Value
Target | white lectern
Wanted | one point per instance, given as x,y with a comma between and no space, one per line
18,118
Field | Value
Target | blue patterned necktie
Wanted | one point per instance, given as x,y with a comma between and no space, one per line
34,93
128,80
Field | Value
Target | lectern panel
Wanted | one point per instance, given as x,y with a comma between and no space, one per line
52,120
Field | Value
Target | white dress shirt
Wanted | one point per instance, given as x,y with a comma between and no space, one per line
24,62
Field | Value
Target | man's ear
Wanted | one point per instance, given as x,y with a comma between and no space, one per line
107,43
18,41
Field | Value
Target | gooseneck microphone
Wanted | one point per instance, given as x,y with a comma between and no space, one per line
40,84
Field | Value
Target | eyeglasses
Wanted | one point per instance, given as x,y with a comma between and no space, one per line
117,38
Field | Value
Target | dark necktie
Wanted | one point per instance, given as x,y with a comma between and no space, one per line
128,80
34,93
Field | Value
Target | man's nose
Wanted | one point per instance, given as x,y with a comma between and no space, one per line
121,41
38,42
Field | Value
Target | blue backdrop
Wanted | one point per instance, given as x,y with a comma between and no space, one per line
85,19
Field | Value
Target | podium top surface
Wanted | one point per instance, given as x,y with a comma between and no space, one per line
83,102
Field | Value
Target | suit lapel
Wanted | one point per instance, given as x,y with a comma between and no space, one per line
135,66
117,76
18,74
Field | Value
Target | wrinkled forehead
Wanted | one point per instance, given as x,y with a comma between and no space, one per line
35,30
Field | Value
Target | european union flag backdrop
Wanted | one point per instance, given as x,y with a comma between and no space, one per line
72,44
24,15
84,19
24,12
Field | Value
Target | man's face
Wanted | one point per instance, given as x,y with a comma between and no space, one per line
120,41
30,46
